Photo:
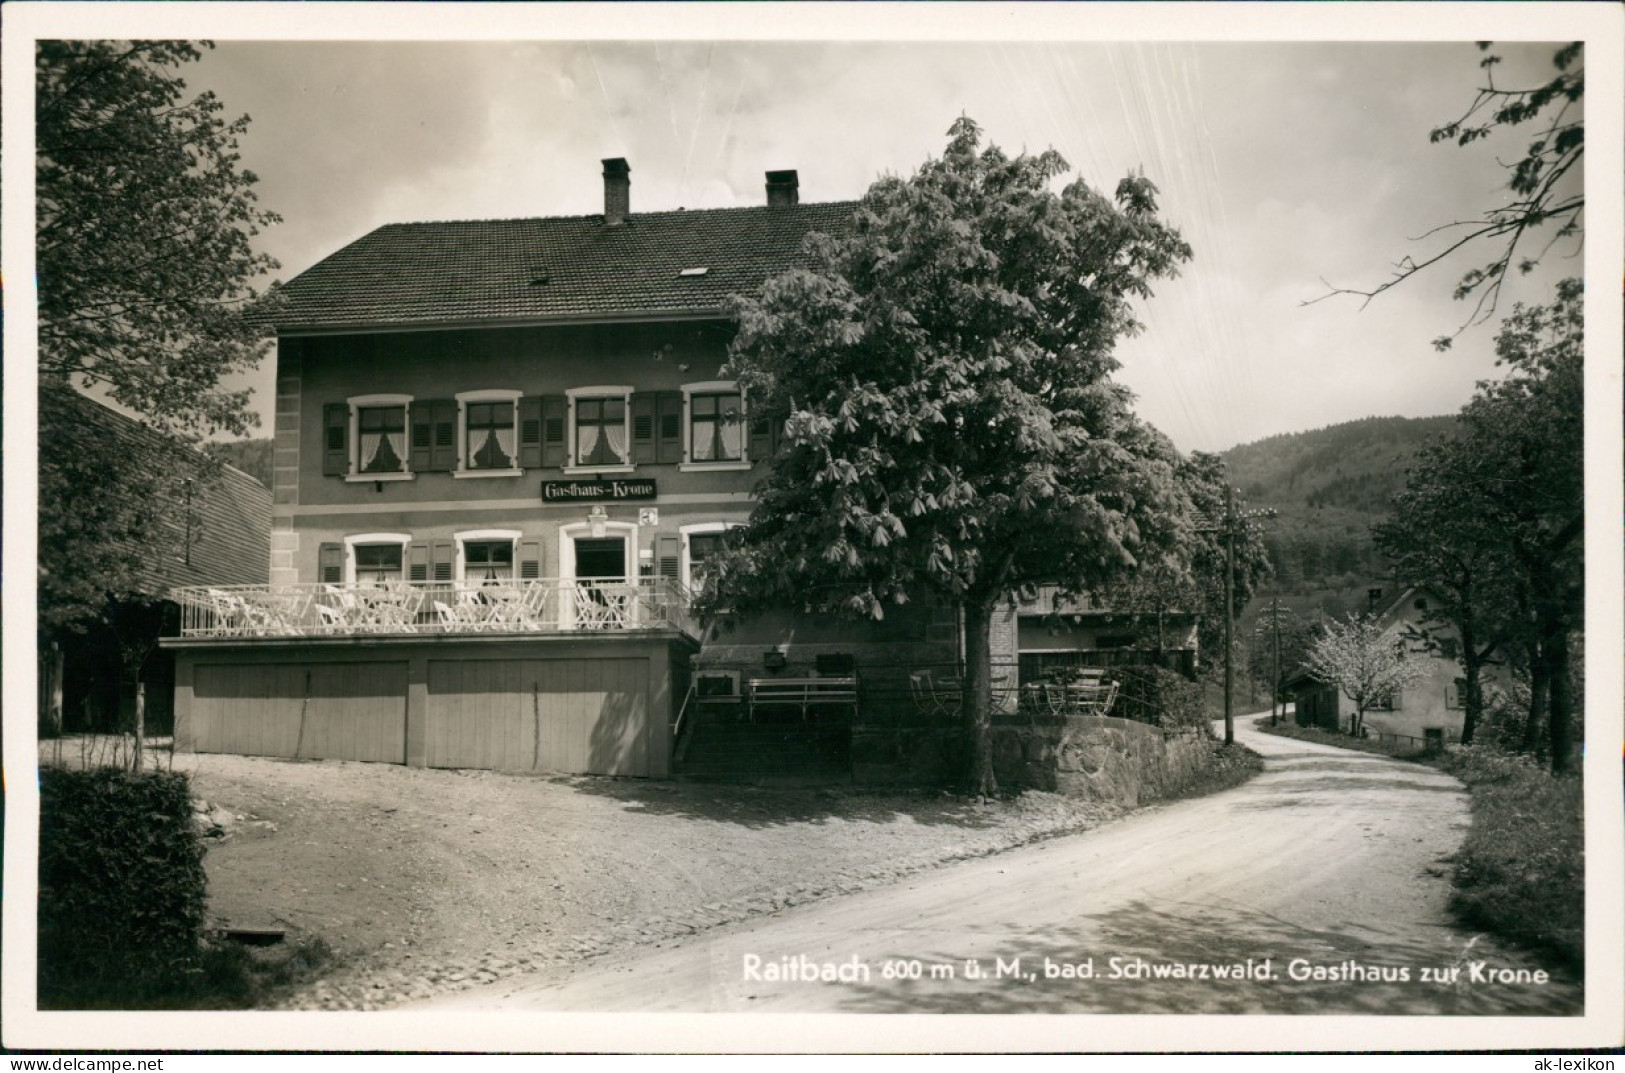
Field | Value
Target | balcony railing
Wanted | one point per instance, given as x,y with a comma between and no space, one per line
538,605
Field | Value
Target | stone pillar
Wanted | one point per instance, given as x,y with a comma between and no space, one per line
1006,657
285,463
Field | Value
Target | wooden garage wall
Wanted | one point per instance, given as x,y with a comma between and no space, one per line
347,711
590,706
580,716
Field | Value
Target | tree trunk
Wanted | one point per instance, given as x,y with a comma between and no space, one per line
140,723
1535,720
977,697
1559,729
1472,701
53,690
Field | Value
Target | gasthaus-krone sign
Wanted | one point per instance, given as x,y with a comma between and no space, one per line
596,491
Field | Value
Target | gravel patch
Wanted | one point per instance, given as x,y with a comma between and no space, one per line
426,881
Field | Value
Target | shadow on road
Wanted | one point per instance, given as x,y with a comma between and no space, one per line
757,806
1310,971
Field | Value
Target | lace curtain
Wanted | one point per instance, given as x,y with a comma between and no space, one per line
382,452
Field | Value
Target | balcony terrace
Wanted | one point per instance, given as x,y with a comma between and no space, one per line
523,607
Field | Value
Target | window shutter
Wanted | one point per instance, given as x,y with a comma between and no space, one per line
443,419
553,429
761,440
422,437
442,556
668,426
530,560
766,437
1396,700
644,405
330,564
530,433
666,549
419,562
335,439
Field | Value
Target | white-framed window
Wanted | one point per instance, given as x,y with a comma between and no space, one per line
699,544
378,443
375,558
600,429
488,434
715,432
486,555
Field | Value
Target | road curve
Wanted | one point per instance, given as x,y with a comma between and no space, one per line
1320,887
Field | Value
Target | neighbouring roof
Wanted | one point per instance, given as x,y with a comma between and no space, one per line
231,542
552,268
227,538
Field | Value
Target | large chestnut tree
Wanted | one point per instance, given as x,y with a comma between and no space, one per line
942,373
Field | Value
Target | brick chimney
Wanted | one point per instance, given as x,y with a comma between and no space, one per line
617,191
782,188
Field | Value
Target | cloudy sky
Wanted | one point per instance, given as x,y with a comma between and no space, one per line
1285,164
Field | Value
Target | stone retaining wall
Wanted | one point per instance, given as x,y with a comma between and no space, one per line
1090,757
1103,759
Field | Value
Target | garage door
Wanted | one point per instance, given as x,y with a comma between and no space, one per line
323,711
579,716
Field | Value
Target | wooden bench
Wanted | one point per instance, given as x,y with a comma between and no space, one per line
802,694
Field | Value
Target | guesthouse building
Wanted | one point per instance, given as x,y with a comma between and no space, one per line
503,452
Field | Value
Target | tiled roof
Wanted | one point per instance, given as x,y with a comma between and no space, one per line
228,540
562,267
231,542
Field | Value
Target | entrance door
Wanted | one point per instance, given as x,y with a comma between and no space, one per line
601,559
602,597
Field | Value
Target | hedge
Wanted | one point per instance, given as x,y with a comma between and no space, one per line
121,886
1156,695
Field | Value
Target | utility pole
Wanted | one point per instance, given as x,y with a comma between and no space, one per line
1229,604
1275,676
1234,525
1273,627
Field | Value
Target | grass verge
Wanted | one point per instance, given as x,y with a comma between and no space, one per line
1228,766
1520,873
1343,741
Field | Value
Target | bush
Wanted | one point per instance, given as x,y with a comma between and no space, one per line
1156,695
121,887
1521,870
1506,711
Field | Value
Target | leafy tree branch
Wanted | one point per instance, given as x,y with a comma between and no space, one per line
1540,195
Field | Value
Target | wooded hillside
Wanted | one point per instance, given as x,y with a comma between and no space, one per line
1329,485
253,457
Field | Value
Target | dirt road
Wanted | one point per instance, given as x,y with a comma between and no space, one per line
1318,888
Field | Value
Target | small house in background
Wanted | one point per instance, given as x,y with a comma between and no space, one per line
1429,710
210,526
